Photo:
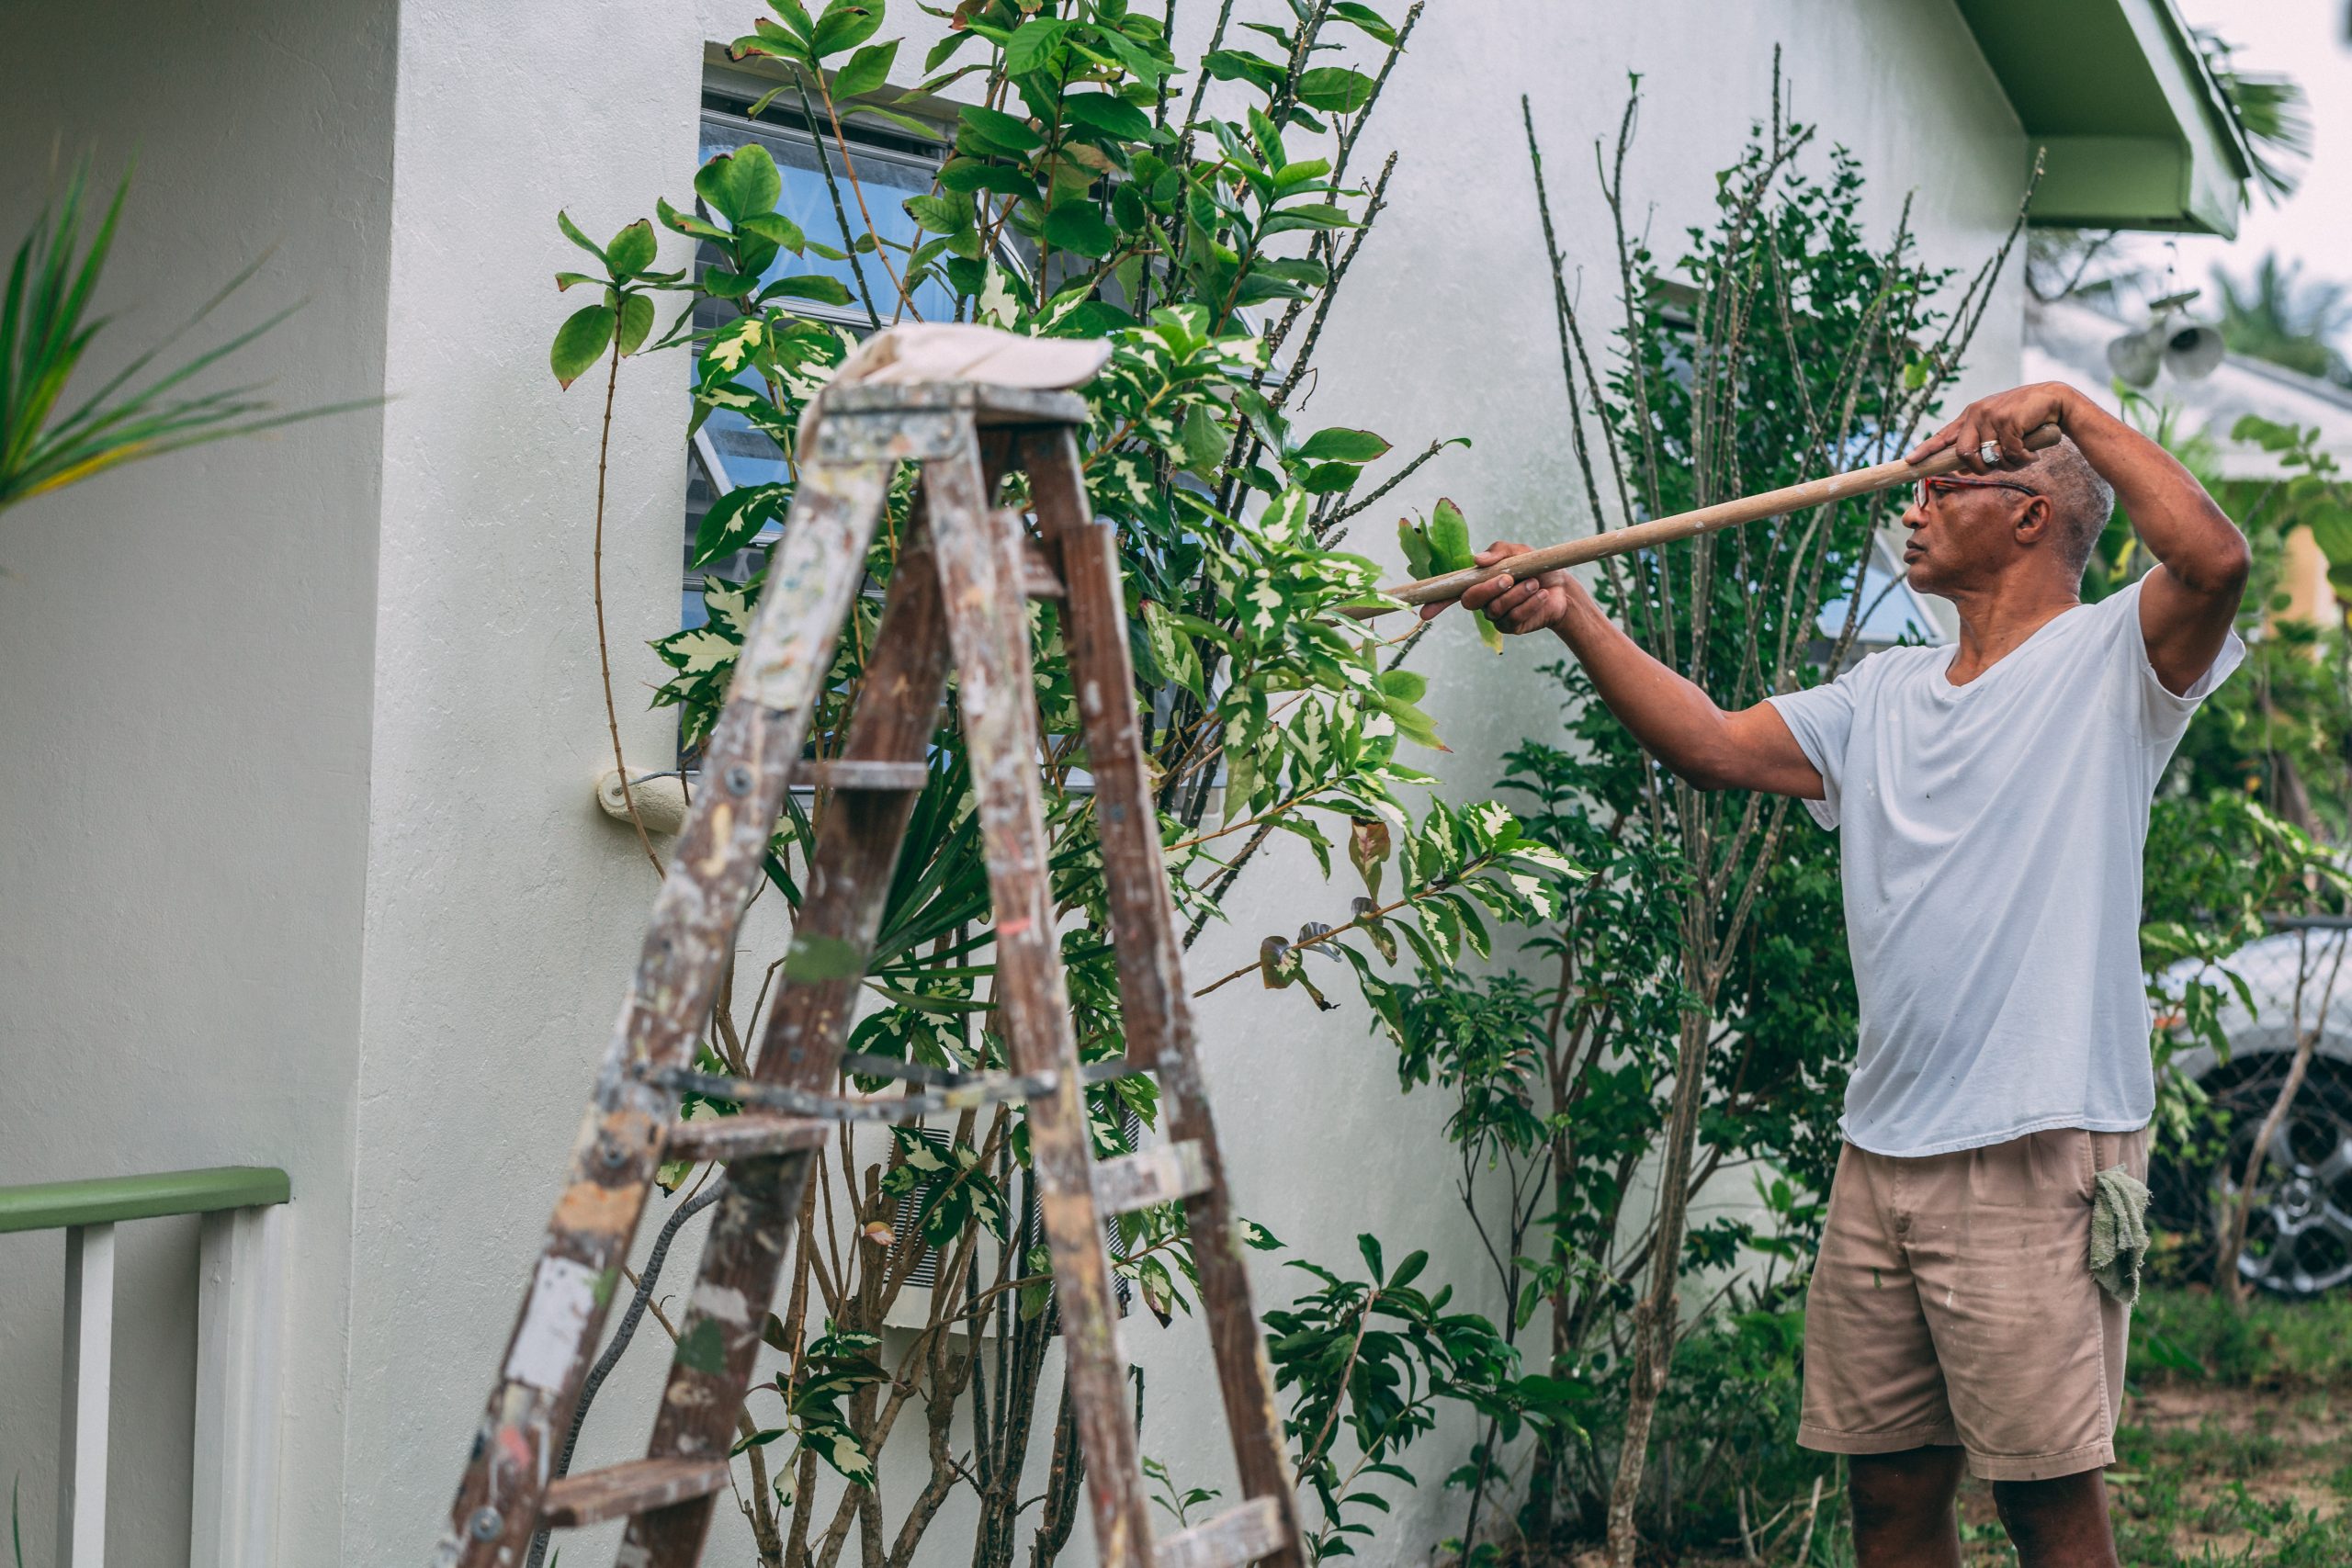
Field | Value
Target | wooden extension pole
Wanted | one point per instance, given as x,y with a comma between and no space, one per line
1449,586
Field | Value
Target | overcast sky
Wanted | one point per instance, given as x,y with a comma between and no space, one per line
2305,39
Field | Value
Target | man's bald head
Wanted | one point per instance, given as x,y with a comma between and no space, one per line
2080,502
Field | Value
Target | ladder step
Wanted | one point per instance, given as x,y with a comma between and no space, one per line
847,772
1243,1534
631,1488
1160,1175
743,1136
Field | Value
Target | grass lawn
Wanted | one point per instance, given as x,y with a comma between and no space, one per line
2236,1442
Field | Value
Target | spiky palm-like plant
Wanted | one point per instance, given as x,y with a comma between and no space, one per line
2277,316
46,327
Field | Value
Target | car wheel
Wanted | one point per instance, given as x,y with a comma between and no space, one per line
2299,1236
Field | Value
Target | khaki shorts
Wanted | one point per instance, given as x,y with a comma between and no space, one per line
1953,1305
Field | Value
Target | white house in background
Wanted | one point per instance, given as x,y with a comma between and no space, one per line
2066,341
301,865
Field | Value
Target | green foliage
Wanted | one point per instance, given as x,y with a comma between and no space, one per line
2195,1335
1178,1501
1378,1358
2257,791
1696,1010
1088,194
45,329
2275,315
2273,115
2237,1483
833,1367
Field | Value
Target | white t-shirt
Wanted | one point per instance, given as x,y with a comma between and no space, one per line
1992,839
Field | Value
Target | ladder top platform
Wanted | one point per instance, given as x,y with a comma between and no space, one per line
989,405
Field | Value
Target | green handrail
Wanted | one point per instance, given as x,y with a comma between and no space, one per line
56,1205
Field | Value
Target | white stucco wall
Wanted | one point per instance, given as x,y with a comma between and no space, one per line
502,913
185,650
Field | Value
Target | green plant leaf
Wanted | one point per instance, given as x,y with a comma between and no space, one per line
1075,226
816,285
845,24
868,69
1370,20
1449,536
1109,116
1413,539
636,322
734,519
632,250
1233,64
964,176
1340,445
940,214
571,231
1335,89
1032,44
815,957
1368,851
581,342
778,230
1003,132
741,184
1205,439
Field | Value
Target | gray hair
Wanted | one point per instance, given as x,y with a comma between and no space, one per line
2080,501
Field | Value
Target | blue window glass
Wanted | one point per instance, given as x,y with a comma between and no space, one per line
730,451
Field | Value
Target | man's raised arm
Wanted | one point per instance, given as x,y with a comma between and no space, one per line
1674,720
2187,603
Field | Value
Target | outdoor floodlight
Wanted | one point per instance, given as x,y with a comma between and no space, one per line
2169,342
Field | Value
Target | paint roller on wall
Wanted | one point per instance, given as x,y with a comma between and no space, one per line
661,799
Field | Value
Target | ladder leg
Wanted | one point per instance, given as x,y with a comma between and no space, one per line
988,627
813,576
848,883
1153,1004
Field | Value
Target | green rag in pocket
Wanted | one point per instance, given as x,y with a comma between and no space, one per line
2119,1232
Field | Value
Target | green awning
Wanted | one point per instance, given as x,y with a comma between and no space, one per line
2135,132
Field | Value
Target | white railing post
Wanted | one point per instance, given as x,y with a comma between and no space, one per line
88,1382
237,1329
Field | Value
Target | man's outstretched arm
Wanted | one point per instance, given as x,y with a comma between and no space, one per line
1674,720
2187,603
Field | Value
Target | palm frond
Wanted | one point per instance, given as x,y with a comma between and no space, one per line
2273,112
45,329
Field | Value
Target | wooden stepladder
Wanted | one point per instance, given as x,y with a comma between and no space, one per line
956,598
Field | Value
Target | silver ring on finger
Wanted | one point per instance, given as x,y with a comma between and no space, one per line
1989,454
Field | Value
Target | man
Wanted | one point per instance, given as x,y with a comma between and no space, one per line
1994,802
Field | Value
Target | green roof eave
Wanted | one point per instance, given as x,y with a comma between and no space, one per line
2134,131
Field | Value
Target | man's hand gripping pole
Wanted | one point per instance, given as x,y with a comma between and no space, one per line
1449,586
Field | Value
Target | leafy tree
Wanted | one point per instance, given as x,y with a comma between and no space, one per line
1704,960
2276,316
1087,193
2273,115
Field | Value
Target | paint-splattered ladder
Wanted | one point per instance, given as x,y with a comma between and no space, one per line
957,596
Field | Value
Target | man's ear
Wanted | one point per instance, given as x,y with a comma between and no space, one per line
2034,523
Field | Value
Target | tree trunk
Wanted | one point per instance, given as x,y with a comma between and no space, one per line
1654,1317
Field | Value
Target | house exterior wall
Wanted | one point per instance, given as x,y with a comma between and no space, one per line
502,912
185,658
